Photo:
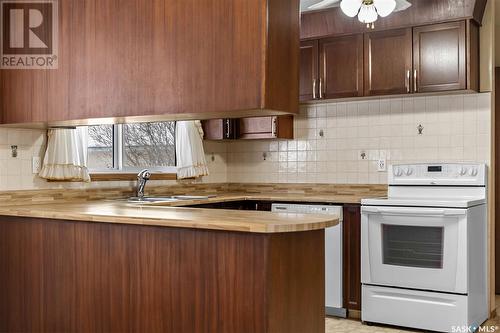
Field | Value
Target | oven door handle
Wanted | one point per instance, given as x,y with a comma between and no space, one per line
413,211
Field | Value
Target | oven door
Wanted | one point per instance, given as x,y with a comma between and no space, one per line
414,247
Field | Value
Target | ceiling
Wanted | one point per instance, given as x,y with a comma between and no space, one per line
304,4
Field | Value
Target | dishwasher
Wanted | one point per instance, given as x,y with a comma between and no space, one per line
333,253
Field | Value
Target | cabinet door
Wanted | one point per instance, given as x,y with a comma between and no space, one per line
439,57
266,127
219,129
352,257
308,70
341,66
388,62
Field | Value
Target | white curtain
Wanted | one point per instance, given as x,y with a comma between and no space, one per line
66,155
191,162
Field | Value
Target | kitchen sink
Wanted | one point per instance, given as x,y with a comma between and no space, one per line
151,199
169,199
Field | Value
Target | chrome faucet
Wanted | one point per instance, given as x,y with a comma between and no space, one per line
142,179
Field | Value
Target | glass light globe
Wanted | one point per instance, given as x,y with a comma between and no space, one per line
350,7
367,14
384,7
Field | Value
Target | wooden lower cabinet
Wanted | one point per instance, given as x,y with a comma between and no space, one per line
352,257
70,276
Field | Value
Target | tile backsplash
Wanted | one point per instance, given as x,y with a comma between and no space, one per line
16,173
335,142
341,142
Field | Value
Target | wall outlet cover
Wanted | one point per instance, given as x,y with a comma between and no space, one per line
381,165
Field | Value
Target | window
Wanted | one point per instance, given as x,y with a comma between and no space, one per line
132,147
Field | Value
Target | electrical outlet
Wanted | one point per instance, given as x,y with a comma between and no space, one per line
381,165
35,164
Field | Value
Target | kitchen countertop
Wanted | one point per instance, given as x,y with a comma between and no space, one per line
154,215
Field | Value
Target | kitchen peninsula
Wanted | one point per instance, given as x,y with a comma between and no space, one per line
113,266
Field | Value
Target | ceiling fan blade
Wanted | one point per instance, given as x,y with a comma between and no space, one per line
323,4
402,5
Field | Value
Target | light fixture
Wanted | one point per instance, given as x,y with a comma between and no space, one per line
368,10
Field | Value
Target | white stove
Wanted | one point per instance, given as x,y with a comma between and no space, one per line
423,248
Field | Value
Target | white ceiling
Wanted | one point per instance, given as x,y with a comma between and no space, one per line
304,4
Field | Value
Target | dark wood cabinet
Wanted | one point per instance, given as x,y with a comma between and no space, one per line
279,127
388,62
341,67
220,129
439,57
409,60
352,257
162,59
308,88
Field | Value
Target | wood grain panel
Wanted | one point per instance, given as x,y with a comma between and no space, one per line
387,62
123,58
439,57
341,66
309,57
80,277
352,257
266,127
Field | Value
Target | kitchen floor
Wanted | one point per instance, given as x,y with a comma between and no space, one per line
338,325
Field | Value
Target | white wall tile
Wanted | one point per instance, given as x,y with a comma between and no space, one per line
456,128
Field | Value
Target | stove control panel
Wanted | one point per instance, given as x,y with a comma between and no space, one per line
438,174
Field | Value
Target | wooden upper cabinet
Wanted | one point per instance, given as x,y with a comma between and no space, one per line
388,62
341,67
308,70
220,129
439,57
163,58
266,127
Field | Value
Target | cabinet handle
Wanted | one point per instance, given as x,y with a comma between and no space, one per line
320,88
415,88
314,89
274,129
407,81
228,132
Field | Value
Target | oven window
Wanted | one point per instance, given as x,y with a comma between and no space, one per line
413,246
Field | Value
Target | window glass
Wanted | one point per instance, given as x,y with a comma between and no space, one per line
100,147
149,145
132,147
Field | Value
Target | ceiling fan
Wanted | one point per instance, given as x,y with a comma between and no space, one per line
367,10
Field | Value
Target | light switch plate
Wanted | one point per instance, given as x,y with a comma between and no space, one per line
381,165
35,164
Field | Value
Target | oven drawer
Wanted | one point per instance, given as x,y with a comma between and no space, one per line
413,308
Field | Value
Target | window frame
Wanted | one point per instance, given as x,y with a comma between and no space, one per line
125,172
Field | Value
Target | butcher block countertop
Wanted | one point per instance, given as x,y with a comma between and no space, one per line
216,219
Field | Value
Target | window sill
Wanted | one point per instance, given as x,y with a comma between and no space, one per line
124,176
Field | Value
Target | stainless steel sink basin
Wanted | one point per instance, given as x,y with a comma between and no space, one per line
169,199
152,199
